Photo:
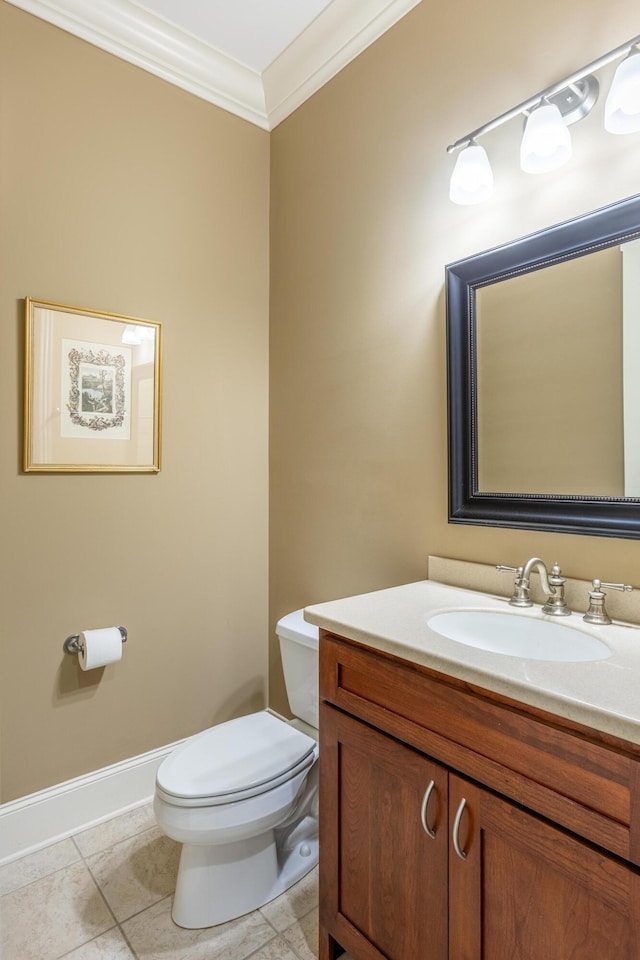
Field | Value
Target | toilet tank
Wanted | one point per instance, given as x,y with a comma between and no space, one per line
299,652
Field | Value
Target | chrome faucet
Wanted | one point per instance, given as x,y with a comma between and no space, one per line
552,584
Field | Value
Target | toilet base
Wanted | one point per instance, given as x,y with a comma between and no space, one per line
217,883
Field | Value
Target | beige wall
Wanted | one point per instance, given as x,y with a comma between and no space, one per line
361,230
124,194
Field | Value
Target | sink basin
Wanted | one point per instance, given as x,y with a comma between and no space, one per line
518,636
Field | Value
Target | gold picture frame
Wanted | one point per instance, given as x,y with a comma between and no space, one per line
92,399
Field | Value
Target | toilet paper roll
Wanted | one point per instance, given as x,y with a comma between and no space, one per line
99,647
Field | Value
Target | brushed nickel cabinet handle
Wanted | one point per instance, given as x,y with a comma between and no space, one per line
423,810
456,828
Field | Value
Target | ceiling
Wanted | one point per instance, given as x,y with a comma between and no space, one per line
258,59
254,32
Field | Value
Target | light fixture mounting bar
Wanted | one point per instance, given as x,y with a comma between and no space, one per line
620,51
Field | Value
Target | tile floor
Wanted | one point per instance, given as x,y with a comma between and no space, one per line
105,894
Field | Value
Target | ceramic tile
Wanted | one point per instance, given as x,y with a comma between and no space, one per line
110,946
52,916
277,949
154,936
303,936
136,873
37,865
99,838
294,903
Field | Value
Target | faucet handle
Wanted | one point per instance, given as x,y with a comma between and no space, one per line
596,584
520,596
596,612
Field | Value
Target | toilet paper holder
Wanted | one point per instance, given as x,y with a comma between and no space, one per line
73,644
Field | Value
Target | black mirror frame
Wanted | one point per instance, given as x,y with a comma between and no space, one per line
594,516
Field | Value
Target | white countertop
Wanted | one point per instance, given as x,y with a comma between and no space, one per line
603,694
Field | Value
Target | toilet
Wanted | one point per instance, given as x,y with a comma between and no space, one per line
241,797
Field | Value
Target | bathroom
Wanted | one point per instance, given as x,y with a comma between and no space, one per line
299,279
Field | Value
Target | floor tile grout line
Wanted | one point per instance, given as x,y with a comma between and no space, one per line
266,919
80,853
144,909
293,923
78,946
261,947
45,876
129,836
281,933
127,839
120,923
297,923
134,953
117,923
101,892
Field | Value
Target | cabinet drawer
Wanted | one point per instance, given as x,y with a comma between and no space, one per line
542,762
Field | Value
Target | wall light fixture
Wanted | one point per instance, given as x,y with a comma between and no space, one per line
546,142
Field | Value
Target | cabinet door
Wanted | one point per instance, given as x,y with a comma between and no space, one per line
375,832
526,890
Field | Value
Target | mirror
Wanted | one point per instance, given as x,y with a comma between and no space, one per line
543,339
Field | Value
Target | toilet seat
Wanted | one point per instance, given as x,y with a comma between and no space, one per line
235,760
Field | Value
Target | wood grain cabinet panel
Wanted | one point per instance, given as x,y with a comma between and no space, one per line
470,874
392,873
528,890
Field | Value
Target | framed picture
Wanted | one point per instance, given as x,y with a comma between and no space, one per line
92,391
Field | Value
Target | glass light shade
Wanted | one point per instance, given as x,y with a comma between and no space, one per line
622,107
145,333
472,177
130,335
546,143
134,335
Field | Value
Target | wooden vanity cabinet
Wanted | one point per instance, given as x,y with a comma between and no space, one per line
412,764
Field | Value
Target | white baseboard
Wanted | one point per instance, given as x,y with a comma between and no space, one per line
34,821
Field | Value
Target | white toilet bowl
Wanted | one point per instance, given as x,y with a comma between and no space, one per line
242,799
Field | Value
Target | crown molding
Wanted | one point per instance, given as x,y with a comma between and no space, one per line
335,38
